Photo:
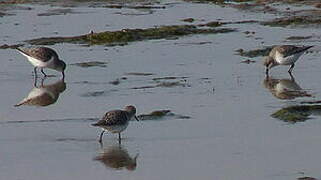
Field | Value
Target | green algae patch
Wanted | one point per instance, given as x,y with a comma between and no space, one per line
90,64
254,53
295,114
161,114
122,37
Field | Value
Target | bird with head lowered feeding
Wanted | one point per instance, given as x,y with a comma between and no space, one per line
284,55
43,57
116,121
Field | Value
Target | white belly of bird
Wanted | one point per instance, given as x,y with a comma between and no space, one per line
116,128
287,60
37,63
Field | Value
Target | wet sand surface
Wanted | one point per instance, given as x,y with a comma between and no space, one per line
220,126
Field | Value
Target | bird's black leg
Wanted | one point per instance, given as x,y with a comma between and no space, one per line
101,136
291,68
119,138
35,80
267,71
292,78
42,81
43,72
35,71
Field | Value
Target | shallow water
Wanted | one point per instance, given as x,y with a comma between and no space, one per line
229,135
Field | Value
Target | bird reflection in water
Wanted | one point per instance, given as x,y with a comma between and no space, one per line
116,157
43,95
284,88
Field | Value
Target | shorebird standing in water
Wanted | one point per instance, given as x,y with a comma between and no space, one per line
43,57
284,55
116,121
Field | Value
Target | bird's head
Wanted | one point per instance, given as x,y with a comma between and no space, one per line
131,110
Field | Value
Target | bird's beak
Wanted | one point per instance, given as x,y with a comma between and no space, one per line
136,118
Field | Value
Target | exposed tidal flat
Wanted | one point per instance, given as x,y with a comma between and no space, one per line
193,70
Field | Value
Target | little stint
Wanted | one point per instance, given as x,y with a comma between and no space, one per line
116,121
43,57
284,55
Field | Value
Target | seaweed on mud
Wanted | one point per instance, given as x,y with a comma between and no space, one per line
295,114
254,53
161,114
124,36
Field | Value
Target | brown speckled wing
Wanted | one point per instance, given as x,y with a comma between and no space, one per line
289,50
42,53
112,118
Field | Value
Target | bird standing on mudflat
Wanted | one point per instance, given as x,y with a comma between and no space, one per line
284,55
43,57
116,121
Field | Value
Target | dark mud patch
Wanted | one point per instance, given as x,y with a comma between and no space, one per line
254,53
144,87
169,78
303,21
93,94
190,20
160,115
90,64
172,84
298,38
115,82
69,139
15,2
6,46
294,114
248,61
120,6
139,74
307,178
50,120
311,102
98,93
122,37
193,43
55,12
87,82
165,85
